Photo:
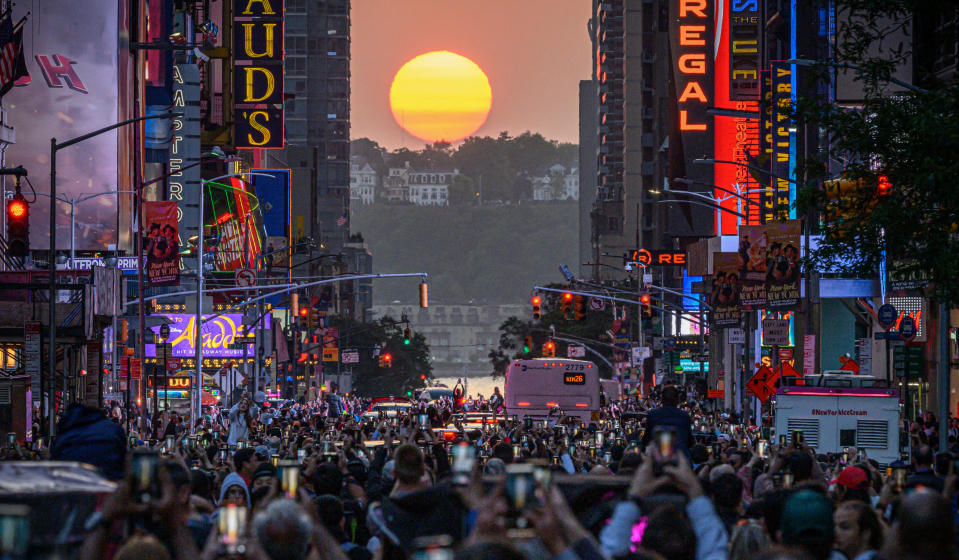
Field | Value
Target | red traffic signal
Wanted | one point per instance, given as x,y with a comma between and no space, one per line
18,226
884,186
567,297
645,299
536,301
304,312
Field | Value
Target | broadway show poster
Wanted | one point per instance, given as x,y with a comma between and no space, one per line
725,293
782,264
752,256
160,243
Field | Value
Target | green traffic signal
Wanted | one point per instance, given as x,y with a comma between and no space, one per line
406,337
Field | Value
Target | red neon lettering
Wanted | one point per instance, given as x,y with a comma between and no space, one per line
692,35
695,7
61,67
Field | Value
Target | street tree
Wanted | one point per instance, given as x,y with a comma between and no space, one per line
893,153
409,361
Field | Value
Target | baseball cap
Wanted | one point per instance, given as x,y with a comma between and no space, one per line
807,516
852,477
262,451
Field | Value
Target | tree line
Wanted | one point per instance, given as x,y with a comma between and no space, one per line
491,169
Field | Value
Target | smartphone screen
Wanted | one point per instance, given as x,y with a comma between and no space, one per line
797,439
144,484
782,440
301,455
899,478
666,444
424,420
289,479
11,439
232,527
464,458
14,530
761,448
520,491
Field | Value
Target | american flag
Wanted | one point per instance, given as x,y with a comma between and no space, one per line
12,64
341,221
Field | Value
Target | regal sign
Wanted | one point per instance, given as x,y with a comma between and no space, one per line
258,73
691,43
645,257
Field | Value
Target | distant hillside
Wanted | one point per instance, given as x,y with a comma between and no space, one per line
493,254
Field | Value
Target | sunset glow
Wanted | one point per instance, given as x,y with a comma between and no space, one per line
440,96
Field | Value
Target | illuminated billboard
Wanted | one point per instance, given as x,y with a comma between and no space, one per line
72,90
258,73
218,335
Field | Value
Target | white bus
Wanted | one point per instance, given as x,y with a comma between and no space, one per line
533,387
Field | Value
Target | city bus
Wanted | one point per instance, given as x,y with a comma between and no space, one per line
533,387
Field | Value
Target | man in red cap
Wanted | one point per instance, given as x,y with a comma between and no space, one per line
852,484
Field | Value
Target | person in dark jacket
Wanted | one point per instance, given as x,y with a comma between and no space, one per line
669,417
86,435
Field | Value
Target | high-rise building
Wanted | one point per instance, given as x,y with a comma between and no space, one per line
317,44
588,143
631,66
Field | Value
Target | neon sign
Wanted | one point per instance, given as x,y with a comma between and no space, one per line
691,40
219,336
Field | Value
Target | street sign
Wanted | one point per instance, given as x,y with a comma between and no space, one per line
31,354
331,355
639,354
575,351
776,332
887,315
245,277
173,364
350,356
907,361
762,384
715,393
669,344
907,329
164,331
597,304
736,336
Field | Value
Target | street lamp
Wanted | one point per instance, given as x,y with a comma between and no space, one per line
73,214
52,264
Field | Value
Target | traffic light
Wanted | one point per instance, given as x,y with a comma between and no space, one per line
536,301
304,319
123,333
18,226
386,360
314,320
565,302
647,304
884,187
407,336
579,308
527,344
549,349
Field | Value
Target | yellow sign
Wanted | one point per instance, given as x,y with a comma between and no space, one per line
331,354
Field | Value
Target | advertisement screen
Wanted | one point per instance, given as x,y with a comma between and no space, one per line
218,336
72,90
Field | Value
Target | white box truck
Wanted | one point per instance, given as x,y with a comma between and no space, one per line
837,411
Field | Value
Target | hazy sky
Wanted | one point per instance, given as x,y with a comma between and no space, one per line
534,52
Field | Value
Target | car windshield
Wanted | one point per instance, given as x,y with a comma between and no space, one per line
433,394
390,406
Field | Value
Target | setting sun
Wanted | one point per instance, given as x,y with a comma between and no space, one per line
440,96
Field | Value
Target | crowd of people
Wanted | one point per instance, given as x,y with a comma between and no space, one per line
648,478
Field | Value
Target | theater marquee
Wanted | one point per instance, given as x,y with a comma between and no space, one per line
258,73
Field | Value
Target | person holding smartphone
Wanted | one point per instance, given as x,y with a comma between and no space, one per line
670,417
